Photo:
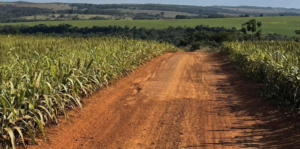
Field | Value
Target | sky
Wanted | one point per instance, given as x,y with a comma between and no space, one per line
263,3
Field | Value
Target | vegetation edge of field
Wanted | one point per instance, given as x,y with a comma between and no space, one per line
274,64
284,25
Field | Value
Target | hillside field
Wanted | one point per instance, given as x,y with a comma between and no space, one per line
260,10
282,25
68,16
54,6
171,14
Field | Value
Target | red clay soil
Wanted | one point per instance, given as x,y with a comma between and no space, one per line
178,100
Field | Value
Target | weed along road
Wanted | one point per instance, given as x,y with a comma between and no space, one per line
178,100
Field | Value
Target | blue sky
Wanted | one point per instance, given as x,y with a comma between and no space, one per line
264,3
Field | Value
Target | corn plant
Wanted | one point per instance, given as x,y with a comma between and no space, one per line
275,64
42,77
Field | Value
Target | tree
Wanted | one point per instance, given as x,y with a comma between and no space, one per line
162,13
246,15
71,11
62,16
261,15
75,17
181,17
253,27
297,32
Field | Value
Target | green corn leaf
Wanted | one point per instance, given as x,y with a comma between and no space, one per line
40,126
20,133
12,136
53,70
90,64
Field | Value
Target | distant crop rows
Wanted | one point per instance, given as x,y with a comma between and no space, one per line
42,77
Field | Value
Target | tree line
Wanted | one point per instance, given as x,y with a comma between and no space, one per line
174,35
191,37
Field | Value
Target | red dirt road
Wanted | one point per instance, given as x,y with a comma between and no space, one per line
179,100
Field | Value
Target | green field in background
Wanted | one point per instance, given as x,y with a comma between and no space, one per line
282,25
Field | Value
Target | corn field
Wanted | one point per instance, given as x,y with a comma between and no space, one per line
275,64
42,77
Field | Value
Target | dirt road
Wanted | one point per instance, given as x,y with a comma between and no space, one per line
179,100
